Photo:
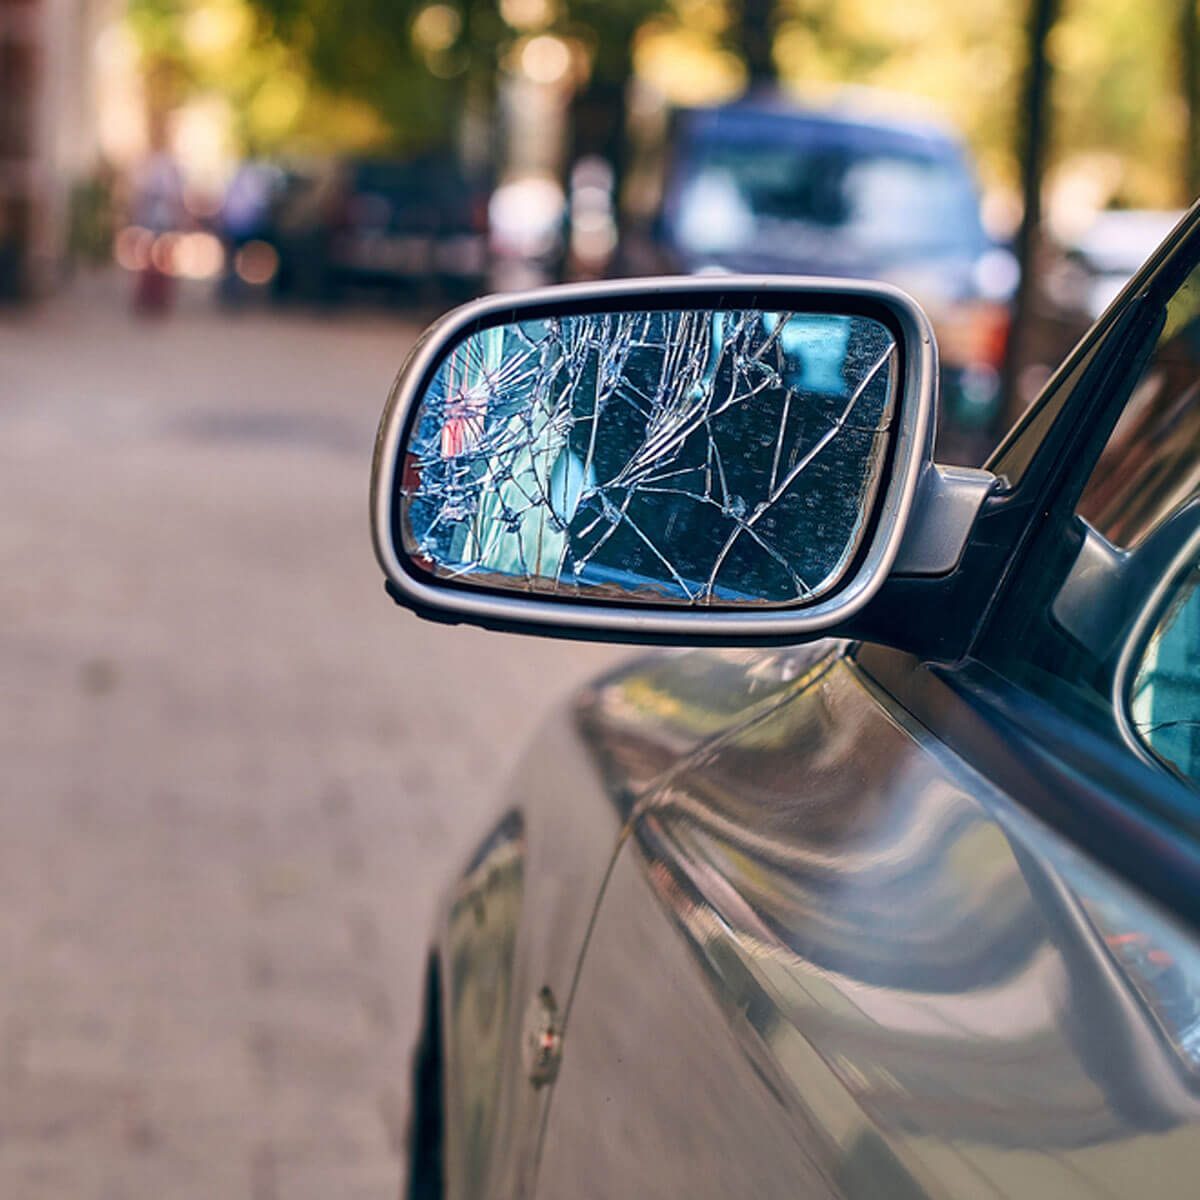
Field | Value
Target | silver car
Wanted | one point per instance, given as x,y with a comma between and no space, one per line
885,881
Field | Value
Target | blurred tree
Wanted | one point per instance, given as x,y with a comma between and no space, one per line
1119,115
1189,70
608,30
222,50
400,74
1033,138
411,63
421,65
688,54
758,42
958,61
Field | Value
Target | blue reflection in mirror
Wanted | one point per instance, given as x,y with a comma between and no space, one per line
695,457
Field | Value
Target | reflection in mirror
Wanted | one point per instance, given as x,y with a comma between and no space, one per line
693,457
1164,699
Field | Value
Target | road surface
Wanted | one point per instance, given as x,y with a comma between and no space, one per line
235,775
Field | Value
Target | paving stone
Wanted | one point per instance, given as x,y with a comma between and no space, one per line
233,777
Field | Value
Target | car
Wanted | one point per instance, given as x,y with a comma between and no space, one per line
883,877
1076,277
303,213
1109,250
415,227
853,190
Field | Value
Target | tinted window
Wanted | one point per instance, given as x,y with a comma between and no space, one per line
1103,617
1151,464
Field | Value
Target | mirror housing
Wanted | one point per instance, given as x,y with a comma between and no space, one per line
417,437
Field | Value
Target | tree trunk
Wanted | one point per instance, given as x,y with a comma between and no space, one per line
757,43
1033,140
599,112
1189,70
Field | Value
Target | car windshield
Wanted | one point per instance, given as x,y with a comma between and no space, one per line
886,205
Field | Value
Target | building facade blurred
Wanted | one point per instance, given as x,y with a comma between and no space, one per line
49,132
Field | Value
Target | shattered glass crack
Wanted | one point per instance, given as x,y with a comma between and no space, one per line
692,457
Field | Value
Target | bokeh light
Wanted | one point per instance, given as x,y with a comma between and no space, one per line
546,59
256,263
436,28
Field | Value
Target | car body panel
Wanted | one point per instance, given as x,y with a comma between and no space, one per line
835,960
515,922
517,917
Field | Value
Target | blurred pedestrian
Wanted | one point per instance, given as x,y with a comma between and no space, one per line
158,209
244,218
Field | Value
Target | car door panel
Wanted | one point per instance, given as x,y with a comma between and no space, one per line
517,917
832,959
1089,788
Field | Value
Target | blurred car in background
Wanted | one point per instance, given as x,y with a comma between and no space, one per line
1102,260
415,227
762,186
1077,277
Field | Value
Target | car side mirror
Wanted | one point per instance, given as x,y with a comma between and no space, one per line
695,460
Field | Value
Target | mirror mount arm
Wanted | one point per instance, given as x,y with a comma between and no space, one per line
931,602
947,503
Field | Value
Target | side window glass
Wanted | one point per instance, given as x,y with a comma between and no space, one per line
1161,703
1102,619
1151,464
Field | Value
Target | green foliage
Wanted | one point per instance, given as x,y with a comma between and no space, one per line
299,76
1118,98
387,74
365,50
961,61
609,27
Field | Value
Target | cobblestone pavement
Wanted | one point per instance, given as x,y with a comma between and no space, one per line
234,775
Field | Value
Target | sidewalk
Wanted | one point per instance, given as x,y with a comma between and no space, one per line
234,775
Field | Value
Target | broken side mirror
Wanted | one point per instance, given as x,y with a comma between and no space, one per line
689,460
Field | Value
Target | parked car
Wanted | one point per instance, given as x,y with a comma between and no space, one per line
886,880
763,185
1109,251
414,227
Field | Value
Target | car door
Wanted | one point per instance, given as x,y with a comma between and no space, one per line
930,930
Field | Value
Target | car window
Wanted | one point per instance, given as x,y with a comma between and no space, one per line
1102,616
1161,704
1151,464
883,203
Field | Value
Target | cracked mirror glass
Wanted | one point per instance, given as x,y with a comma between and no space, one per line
691,457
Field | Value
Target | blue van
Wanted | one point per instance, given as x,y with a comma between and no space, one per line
762,186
